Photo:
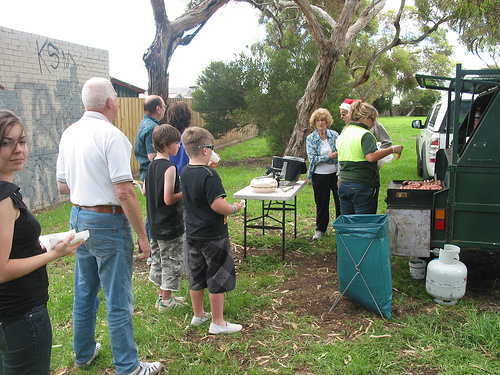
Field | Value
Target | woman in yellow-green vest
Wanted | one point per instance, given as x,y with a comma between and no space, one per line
358,156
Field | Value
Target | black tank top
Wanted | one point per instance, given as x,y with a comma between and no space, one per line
19,296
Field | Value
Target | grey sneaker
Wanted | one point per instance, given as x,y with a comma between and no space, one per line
146,368
229,328
89,362
170,304
199,321
317,235
181,300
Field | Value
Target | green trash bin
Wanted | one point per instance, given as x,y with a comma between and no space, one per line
364,262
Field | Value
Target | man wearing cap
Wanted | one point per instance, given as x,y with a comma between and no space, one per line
378,130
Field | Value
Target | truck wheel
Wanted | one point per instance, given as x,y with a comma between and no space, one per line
419,163
425,172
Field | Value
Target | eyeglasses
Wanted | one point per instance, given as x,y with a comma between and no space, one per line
211,147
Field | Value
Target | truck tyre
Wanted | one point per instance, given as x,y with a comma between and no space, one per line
419,164
425,172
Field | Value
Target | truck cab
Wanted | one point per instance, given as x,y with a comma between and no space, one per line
465,211
432,136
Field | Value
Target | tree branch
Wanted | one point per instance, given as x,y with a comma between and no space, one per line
364,18
196,16
316,9
313,24
396,41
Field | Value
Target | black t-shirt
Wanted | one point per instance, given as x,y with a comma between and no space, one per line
19,296
165,222
201,185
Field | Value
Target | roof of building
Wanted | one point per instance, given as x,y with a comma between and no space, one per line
127,85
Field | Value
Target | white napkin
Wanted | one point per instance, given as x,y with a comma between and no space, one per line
50,240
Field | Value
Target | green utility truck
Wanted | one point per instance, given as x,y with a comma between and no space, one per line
466,211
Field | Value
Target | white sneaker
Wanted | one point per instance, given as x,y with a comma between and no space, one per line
317,235
199,321
229,328
146,368
89,362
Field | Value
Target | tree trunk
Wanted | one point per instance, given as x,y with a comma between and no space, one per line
168,36
329,50
312,99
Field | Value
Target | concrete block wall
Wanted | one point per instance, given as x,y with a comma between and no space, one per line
43,79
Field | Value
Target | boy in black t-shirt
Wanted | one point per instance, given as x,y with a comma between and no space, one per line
165,216
211,262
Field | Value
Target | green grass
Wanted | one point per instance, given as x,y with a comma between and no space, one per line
256,147
460,339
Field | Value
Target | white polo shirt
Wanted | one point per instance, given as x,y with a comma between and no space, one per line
93,156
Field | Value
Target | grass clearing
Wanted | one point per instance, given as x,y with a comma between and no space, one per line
426,339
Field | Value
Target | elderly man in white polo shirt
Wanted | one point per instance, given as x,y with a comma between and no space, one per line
93,167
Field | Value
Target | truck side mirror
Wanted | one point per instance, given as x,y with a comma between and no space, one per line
417,124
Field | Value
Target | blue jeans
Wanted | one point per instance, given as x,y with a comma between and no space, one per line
26,343
357,198
105,259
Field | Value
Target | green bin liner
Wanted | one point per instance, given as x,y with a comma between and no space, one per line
364,262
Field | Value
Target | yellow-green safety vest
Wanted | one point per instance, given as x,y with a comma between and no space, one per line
349,143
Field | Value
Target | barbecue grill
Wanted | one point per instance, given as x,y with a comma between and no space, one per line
286,170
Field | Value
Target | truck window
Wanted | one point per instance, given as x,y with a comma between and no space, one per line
432,119
464,110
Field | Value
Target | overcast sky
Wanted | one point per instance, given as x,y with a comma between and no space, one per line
126,29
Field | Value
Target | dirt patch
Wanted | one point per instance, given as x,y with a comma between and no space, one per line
263,162
313,289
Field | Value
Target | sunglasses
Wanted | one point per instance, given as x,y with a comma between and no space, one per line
211,147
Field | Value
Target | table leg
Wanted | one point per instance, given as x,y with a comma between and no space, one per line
295,213
245,232
263,218
283,229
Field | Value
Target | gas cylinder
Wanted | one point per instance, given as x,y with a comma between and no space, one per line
446,276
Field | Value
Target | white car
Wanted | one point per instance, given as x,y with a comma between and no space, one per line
432,137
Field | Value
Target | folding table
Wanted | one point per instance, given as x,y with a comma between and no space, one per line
283,199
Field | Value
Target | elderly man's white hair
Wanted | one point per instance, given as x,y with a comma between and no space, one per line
95,93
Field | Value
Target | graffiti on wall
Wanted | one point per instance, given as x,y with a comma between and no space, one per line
46,114
51,57
46,107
